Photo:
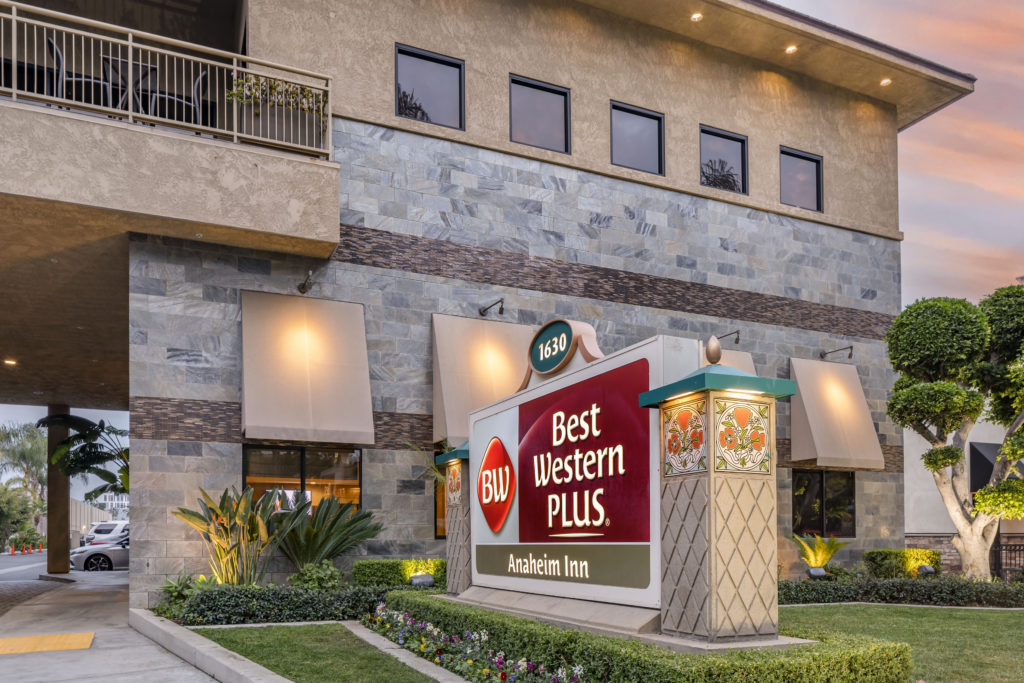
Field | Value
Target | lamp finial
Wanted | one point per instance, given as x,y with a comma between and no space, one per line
713,352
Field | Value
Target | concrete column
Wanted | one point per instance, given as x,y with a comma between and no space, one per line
719,533
457,521
58,496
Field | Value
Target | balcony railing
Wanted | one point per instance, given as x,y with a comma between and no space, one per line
83,65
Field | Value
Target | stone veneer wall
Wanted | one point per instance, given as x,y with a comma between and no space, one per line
433,226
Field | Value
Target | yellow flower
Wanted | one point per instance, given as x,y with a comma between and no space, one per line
436,660
486,671
469,661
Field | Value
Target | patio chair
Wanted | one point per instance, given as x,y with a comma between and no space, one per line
88,85
172,103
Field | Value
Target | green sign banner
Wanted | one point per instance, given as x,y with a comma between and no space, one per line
552,347
628,566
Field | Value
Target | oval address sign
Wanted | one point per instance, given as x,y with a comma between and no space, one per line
552,347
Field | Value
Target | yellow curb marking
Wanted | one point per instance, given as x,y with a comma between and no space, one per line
60,641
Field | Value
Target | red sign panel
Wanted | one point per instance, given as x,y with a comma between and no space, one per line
584,461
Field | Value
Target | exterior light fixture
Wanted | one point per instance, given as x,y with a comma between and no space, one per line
500,303
845,348
10,361
696,16
816,573
729,334
791,49
925,570
885,82
306,284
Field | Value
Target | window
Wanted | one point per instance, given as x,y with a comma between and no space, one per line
800,179
824,503
429,87
440,511
304,473
638,138
538,114
723,160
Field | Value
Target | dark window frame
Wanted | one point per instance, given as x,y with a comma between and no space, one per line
411,51
735,137
822,488
302,461
819,162
638,111
444,495
515,79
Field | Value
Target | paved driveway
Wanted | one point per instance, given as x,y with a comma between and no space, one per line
98,602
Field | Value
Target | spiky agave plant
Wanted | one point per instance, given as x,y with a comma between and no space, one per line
332,529
238,533
820,553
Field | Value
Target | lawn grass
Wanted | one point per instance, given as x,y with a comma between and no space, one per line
314,654
948,644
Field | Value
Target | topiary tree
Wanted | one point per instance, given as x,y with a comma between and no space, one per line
957,362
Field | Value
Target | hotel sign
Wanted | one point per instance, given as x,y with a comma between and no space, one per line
563,477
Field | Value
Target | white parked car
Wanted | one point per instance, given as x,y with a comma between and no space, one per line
105,532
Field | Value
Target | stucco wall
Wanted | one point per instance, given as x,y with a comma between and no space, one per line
600,57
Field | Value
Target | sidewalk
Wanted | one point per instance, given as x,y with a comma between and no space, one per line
98,602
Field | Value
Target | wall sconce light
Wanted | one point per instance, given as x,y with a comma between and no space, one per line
845,348
306,284
729,334
500,303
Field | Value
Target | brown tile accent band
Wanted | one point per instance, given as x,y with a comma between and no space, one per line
430,256
893,458
182,419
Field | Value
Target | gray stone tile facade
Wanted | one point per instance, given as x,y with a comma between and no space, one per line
185,329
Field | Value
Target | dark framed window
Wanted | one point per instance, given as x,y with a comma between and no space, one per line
723,160
824,503
538,114
800,179
638,138
430,87
440,511
304,473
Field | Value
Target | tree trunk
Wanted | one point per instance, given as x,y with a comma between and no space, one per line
974,543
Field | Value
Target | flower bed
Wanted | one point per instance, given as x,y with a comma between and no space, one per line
482,645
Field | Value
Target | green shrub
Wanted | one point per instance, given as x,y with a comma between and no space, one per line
331,530
949,591
398,572
834,657
226,604
320,576
900,563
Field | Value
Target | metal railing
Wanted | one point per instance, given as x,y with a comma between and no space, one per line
1007,559
84,65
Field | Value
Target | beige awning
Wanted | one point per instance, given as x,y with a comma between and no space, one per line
476,362
831,421
305,374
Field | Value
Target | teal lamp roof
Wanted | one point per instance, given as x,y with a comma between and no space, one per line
460,453
718,378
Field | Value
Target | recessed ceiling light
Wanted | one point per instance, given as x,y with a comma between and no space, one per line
696,16
885,82
10,361
791,49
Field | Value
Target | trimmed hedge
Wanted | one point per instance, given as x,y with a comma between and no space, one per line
398,572
835,657
271,604
900,563
949,591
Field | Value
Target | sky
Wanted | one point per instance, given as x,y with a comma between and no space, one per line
962,169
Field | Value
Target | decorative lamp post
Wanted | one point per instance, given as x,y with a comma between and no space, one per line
457,551
718,502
